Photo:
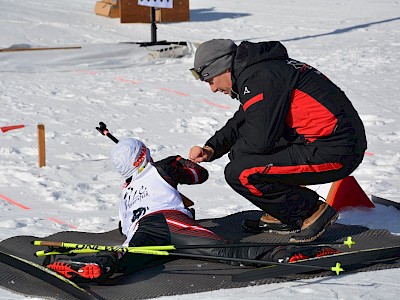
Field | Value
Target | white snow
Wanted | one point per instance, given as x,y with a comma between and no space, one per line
356,43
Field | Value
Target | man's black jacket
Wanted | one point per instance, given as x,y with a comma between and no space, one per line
285,101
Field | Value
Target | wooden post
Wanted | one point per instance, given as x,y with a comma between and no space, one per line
41,146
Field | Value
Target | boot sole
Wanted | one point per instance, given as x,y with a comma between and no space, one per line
282,232
313,238
261,230
88,271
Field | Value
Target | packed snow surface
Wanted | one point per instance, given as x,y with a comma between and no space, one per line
101,77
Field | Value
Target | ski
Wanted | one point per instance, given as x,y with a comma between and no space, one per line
385,202
335,263
46,275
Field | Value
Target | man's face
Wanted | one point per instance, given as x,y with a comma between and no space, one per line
221,83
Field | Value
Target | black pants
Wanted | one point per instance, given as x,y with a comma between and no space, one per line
173,227
275,183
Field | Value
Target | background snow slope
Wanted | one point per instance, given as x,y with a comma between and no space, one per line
355,43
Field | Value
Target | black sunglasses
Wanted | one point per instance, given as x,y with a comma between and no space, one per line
197,72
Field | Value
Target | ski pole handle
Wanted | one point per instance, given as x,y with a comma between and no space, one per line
47,243
104,131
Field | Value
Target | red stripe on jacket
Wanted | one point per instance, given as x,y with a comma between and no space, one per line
253,100
272,170
309,117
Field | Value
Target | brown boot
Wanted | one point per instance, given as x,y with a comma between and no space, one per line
269,219
314,226
268,223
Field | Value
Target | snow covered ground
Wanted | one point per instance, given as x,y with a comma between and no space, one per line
356,43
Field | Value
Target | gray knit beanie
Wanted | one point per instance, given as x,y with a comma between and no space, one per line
214,57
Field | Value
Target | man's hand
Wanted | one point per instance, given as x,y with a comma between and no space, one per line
198,154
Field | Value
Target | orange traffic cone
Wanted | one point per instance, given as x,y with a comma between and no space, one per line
347,193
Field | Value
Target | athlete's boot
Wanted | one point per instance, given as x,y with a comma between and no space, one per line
85,269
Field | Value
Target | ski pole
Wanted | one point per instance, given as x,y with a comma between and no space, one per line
157,250
249,261
42,253
89,248
347,242
179,247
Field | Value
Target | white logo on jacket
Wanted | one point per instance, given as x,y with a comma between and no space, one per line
246,90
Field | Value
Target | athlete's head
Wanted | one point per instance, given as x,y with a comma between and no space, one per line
130,157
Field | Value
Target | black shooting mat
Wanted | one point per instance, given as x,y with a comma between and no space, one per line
182,276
